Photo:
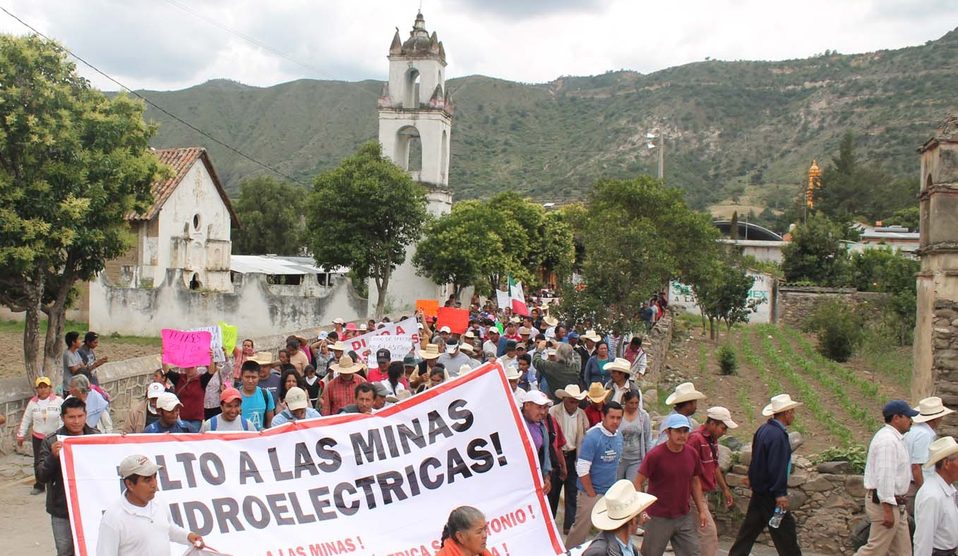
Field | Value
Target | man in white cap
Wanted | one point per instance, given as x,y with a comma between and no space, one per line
452,359
674,475
768,479
618,515
704,441
922,433
684,401
573,423
168,408
535,412
136,525
297,408
936,506
887,479
490,348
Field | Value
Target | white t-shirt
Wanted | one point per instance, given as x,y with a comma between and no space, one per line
222,425
128,530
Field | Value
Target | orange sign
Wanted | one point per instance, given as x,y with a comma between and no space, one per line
429,307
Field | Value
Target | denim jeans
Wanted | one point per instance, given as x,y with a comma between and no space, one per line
62,535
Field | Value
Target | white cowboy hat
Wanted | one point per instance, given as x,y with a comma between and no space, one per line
722,414
780,403
338,346
620,504
512,373
591,336
619,364
465,368
684,392
941,449
930,409
571,391
597,393
431,352
262,357
467,348
550,320
346,366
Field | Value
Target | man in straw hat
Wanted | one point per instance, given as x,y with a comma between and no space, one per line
618,515
136,525
684,401
922,433
596,465
574,424
887,478
704,441
597,396
341,390
674,475
768,479
936,507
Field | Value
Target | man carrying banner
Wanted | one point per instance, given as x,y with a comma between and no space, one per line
73,414
535,411
168,407
135,525
365,397
231,417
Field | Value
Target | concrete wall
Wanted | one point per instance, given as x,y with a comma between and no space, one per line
250,305
795,304
657,344
763,293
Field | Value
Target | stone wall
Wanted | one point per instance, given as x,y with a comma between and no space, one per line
826,506
793,305
657,342
944,366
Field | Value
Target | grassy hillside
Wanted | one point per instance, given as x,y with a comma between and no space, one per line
728,124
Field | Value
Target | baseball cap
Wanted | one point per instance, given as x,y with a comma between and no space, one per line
676,421
42,380
572,335
722,414
137,465
510,345
494,330
154,390
89,337
338,320
383,356
380,389
296,398
537,397
409,361
167,401
898,407
452,346
230,394
445,329
323,335
363,327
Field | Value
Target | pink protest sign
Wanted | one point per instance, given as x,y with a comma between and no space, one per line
186,349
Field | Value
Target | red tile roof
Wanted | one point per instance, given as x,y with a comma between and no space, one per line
180,160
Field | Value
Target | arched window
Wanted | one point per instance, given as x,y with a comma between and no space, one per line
412,97
444,161
924,214
409,149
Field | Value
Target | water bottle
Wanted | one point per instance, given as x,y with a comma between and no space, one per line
776,519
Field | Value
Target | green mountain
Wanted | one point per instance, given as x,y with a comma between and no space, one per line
727,124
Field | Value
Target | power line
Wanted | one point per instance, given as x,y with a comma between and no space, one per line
156,106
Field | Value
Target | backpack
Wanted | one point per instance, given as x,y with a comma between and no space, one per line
214,421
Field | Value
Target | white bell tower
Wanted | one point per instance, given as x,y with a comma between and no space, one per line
415,122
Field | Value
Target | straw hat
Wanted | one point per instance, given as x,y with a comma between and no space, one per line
550,320
780,403
431,352
941,449
591,336
930,409
597,393
619,364
346,366
684,392
262,357
465,368
467,348
620,504
512,373
338,346
570,391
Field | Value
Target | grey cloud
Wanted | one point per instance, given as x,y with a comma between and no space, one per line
528,8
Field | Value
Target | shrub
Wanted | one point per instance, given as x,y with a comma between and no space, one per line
727,360
854,454
839,329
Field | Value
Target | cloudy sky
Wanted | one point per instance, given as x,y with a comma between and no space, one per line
172,44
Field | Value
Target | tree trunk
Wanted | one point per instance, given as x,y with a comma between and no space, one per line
31,328
712,329
54,345
382,282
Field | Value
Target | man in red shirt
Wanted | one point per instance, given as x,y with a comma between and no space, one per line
704,441
341,390
674,473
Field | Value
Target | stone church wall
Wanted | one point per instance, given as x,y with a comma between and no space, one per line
793,305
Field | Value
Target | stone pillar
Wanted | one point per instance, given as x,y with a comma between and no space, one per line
935,369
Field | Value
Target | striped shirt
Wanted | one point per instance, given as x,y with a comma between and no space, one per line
888,467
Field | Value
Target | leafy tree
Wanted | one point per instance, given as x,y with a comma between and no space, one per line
638,234
722,293
73,162
907,217
272,215
817,253
363,214
884,270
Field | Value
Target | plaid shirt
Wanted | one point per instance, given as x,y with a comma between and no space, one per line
338,394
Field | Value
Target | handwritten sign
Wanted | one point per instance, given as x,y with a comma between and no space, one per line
398,345
216,341
182,348
361,344
456,319
230,334
429,307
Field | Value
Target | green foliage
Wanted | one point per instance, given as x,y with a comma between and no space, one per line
854,454
363,214
637,235
728,362
721,290
817,253
839,330
906,217
73,163
885,270
270,212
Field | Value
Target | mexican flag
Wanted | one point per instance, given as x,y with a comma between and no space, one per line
518,301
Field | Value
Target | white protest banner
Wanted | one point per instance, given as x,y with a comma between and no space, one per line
216,341
398,345
360,344
380,484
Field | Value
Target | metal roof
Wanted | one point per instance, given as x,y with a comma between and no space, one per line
269,264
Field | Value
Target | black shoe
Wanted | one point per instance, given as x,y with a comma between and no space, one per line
37,490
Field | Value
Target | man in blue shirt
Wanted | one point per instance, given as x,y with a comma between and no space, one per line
596,466
768,479
168,408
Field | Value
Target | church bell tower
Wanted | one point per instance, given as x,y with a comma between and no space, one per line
415,122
